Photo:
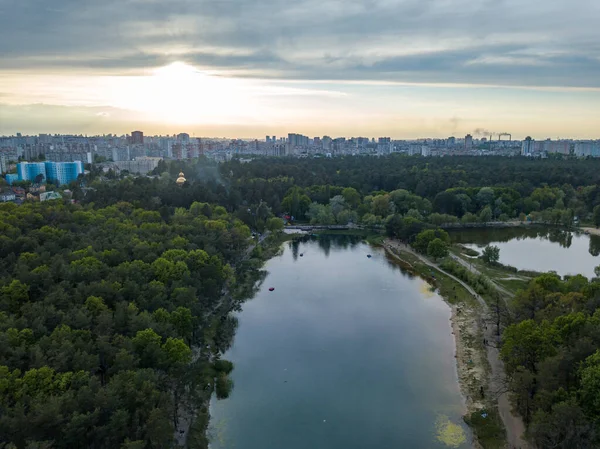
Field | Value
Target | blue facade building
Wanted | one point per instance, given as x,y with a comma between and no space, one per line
11,177
63,172
54,172
28,171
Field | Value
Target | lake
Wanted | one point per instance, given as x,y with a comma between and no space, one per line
537,248
348,352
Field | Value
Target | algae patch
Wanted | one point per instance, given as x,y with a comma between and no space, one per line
449,433
426,290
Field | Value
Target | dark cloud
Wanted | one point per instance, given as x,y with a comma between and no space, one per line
507,42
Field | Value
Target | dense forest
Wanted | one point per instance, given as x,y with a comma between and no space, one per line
105,300
373,191
553,362
99,308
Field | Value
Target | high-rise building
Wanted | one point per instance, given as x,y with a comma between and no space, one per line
55,172
29,171
362,141
451,141
121,154
140,165
10,178
527,147
557,146
583,149
137,138
468,142
297,140
63,172
183,137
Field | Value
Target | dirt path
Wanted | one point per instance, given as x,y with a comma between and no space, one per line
474,270
592,231
513,423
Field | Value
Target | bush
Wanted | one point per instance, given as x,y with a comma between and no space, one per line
491,254
223,366
478,282
489,430
224,386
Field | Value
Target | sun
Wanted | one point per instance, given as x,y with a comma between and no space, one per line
176,70
180,93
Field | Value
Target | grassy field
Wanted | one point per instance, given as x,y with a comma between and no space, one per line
508,279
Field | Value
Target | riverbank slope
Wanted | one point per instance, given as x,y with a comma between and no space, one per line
480,370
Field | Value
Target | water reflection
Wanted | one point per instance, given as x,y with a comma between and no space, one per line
594,245
537,248
325,242
562,237
343,354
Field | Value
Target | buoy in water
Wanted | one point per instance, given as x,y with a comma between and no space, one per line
369,256
271,289
301,254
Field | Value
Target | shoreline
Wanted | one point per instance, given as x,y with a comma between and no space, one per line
473,366
473,363
194,417
588,230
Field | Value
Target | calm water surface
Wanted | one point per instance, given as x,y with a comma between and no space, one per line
538,249
347,353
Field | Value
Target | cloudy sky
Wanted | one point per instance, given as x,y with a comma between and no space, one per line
246,68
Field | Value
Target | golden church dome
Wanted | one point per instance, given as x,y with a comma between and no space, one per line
181,180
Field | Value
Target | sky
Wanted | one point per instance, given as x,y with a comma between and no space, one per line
244,68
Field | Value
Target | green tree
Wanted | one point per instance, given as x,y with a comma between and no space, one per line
95,305
147,344
442,219
183,322
491,254
275,224
469,218
351,196
382,207
177,353
596,216
437,248
296,203
485,196
486,214
590,384
564,427
337,205
320,214
423,239
526,344
159,429
14,295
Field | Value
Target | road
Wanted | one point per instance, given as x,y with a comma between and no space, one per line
515,428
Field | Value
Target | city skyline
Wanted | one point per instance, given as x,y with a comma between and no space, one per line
403,69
